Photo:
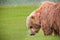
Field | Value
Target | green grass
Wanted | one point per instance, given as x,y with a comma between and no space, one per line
13,26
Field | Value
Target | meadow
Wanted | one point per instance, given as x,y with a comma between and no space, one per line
13,24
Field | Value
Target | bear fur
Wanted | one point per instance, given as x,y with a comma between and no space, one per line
46,17
50,20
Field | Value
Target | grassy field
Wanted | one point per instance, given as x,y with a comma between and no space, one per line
13,26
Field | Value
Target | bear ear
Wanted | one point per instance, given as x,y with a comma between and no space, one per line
32,17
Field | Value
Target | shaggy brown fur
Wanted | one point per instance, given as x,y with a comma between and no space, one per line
50,20
46,17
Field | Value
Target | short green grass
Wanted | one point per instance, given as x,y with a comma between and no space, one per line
13,24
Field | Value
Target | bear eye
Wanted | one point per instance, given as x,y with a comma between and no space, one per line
31,27
32,17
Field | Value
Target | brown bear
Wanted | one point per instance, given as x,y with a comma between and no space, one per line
50,20
45,17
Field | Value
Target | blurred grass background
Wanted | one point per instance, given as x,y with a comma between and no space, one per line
13,15
13,24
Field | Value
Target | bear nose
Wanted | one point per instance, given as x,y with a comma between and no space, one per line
32,34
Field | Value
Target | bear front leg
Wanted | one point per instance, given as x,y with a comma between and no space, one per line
47,31
46,28
56,32
56,29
